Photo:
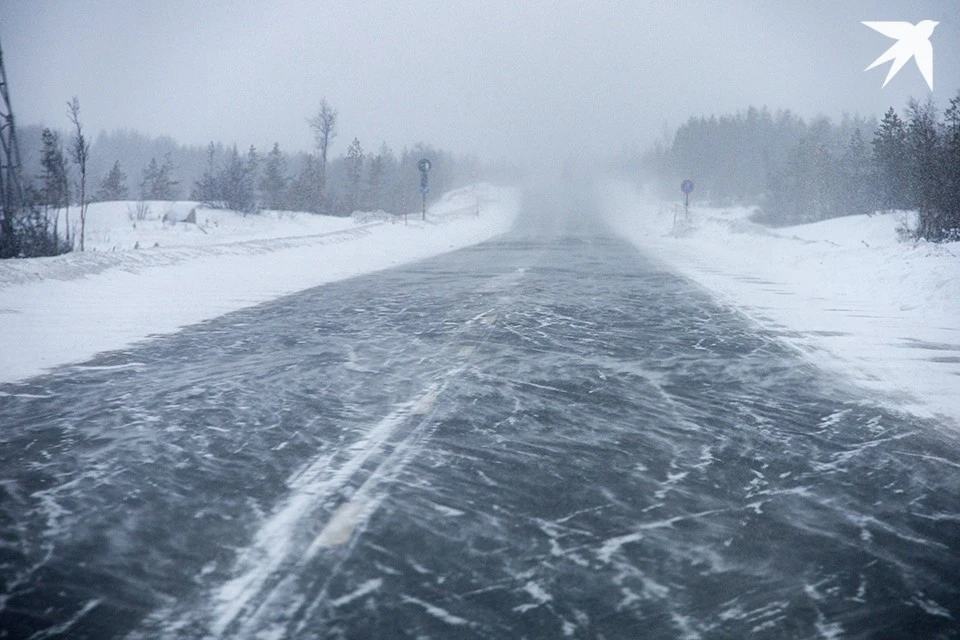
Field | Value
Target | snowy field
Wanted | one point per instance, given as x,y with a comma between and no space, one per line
845,292
147,271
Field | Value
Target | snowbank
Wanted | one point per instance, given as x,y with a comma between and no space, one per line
65,309
845,292
116,226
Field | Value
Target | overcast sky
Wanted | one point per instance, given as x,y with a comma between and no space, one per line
493,77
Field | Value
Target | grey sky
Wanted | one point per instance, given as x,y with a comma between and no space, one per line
492,77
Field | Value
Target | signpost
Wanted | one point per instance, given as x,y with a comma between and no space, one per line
687,187
424,166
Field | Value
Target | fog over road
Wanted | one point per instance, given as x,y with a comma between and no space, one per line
542,436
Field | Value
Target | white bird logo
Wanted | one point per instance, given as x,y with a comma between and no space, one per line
913,41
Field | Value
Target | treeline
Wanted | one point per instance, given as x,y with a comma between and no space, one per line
799,171
357,180
128,165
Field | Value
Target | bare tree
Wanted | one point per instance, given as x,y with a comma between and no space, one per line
79,152
324,126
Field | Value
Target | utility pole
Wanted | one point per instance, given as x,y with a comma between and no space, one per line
11,187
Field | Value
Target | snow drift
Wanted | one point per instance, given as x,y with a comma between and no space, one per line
155,274
846,292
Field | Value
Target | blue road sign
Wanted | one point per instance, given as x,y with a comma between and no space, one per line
686,186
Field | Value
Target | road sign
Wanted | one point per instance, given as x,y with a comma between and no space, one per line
424,166
686,186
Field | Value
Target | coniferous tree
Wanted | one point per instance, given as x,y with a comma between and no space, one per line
253,163
273,183
890,161
856,184
923,151
205,189
158,182
354,174
305,193
235,184
55,183
950,169
378,177
55,190
114,185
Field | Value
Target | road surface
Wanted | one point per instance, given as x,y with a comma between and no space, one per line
543,436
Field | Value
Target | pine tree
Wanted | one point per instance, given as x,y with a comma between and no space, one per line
950,168
381,169
205,189
235,184
856,189
273,183
55,182
114,185
890,161
305,193
354,173
158,182
253,163
923,153
55,190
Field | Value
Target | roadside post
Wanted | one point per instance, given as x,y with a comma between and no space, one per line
687,187
424,166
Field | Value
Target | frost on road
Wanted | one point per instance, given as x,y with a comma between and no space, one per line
545,435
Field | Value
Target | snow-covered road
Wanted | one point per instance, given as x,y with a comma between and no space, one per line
67,308
544,435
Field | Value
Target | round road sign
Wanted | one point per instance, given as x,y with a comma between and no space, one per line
686,186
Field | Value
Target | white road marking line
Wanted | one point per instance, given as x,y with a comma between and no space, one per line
246,597
425,405
341,525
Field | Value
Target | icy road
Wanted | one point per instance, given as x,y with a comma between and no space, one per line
542,436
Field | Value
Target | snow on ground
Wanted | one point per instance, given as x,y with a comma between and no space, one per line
845,292
65,309
113,226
